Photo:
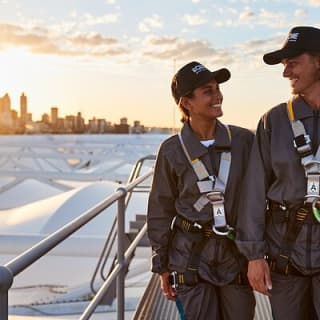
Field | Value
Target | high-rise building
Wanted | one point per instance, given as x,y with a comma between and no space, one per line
23,108
123,127
80,126
5,104
54,116
45,118
6,116
124,121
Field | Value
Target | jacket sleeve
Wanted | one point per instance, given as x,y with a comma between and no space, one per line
161,211
252,218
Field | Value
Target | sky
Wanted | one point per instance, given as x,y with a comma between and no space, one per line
116,58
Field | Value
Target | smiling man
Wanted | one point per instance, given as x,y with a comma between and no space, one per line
279,229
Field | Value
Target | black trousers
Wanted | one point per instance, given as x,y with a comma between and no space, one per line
295,297
208,302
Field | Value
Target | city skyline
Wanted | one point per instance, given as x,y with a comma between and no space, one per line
111,58
23,107
22,121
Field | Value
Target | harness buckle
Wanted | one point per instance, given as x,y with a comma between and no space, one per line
174,280
215,196
302,143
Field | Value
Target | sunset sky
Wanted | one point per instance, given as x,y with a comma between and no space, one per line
116,58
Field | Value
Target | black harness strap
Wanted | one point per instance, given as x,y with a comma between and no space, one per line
296,219
204,232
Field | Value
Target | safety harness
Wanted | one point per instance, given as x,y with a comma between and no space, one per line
311,163
212,191
298,215
212,188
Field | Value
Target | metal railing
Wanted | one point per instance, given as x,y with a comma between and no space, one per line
28,257
106,251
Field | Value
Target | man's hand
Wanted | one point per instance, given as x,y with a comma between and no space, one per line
259,276
166,288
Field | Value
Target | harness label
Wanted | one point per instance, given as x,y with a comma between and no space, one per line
313,185
219,215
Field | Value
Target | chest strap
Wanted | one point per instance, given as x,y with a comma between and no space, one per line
310,163
212,188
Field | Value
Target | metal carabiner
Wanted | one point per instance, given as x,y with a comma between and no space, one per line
173,222
315,210
223,233
175,282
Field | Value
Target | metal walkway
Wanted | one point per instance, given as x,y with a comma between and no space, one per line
154,306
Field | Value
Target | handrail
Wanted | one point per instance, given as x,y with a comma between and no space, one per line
28,257
105,253
102,291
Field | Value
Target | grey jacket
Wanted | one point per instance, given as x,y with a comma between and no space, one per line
275,173
174,191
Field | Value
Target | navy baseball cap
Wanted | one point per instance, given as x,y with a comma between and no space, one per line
194,75
300,40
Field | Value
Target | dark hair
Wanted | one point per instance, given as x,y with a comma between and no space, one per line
185,112
314,53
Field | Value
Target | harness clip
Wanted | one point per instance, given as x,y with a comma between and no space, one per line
197,225
215,196
173,223
315,209
227,231
174,280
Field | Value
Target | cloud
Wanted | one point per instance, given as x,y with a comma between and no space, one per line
315,3
272,19
194,20
41,41
150,23
92,40
158,41
312,3
251,19
300,13
246,14
170,48
255,49
89,19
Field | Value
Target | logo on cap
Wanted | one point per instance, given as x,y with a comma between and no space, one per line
293,36
198,68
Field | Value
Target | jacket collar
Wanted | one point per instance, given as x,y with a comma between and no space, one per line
301,108
196,149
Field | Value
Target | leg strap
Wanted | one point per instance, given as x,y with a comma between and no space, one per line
296,219
190,277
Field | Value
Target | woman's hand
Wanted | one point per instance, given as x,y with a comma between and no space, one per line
166,288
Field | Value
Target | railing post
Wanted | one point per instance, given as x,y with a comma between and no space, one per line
6,279
120,255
